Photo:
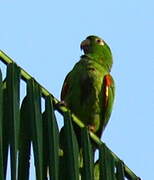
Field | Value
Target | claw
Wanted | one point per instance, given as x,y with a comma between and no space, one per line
91,128
61,103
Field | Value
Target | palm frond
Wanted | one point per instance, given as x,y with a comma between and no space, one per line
57,154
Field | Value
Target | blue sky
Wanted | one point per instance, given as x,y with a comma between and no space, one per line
43,37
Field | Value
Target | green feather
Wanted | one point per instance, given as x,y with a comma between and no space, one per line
85,94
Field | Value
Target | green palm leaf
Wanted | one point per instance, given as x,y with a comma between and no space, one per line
57,155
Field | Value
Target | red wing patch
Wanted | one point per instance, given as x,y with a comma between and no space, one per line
64,91
108,82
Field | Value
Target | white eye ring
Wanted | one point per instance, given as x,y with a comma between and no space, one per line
100,42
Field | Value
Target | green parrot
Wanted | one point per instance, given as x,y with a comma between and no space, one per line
88,90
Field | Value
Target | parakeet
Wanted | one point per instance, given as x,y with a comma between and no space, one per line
88,90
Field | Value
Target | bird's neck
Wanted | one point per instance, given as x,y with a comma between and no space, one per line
98,59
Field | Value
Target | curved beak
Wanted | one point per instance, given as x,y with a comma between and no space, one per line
85,44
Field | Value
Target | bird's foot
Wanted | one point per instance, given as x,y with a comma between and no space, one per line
91,128
61,103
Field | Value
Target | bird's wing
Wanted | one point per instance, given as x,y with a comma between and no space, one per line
65,87
108,94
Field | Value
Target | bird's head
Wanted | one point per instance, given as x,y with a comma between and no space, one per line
97,47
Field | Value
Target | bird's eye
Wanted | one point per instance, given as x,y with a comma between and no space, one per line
100,42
